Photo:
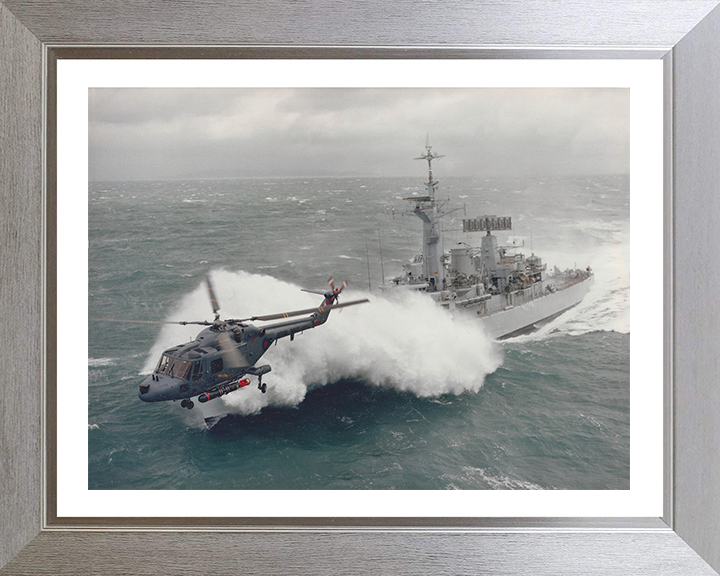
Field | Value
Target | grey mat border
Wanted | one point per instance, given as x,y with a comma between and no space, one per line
56,551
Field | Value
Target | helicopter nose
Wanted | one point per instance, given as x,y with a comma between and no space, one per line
154,388
144,390
158,387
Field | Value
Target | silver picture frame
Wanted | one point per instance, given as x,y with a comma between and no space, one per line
685,34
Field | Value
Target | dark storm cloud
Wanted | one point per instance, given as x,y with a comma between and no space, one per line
187,133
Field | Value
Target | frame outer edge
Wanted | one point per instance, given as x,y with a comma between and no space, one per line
668,295
70,553
696,109
20,451
21,354
541,23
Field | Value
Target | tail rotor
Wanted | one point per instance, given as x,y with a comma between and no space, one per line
333,296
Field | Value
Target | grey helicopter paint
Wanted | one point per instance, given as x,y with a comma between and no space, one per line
215,363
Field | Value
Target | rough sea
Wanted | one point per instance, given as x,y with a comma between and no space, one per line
393,394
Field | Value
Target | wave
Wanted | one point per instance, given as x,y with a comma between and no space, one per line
481,478
97,362
606,307
407,342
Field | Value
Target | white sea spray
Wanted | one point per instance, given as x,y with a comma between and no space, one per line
405,342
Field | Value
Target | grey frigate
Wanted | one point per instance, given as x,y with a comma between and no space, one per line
511,294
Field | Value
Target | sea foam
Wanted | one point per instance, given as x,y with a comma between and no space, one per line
606,307
406,342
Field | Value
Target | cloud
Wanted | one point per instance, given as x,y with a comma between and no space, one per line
182,133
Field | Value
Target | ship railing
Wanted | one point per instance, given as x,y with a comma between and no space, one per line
571,281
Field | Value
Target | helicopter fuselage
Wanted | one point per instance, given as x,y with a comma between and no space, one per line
220,355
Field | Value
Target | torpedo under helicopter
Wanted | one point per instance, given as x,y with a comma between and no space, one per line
215,363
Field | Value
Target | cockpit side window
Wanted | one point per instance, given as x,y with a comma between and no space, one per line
162,365
180,368
174,367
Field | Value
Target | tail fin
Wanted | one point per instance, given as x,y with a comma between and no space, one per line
325,309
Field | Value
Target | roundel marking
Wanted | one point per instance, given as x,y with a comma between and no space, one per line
266,343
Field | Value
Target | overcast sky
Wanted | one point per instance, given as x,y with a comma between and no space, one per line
149,134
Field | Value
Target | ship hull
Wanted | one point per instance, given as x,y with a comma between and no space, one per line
530,316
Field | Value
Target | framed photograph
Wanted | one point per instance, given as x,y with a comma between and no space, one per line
233,180
267,238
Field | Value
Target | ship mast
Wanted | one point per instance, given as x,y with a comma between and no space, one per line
426,209
429,156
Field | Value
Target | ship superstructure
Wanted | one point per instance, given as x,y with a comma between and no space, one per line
510,293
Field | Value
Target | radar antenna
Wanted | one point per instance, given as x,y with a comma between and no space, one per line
429,155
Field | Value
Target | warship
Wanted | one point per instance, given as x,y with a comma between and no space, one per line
511,294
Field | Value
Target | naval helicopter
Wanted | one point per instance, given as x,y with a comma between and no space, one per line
220,357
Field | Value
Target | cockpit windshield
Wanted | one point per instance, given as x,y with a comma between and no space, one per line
174,367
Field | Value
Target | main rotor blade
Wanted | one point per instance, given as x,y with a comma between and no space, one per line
230,353
183,323
344,304
313,291
306,311
213,299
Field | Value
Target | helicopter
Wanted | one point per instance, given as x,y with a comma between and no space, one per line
216,362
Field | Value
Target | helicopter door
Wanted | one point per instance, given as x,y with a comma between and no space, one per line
216,365
196,371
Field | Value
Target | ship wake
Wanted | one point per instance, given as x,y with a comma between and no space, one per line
606,307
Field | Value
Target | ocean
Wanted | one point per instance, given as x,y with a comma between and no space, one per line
392,394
